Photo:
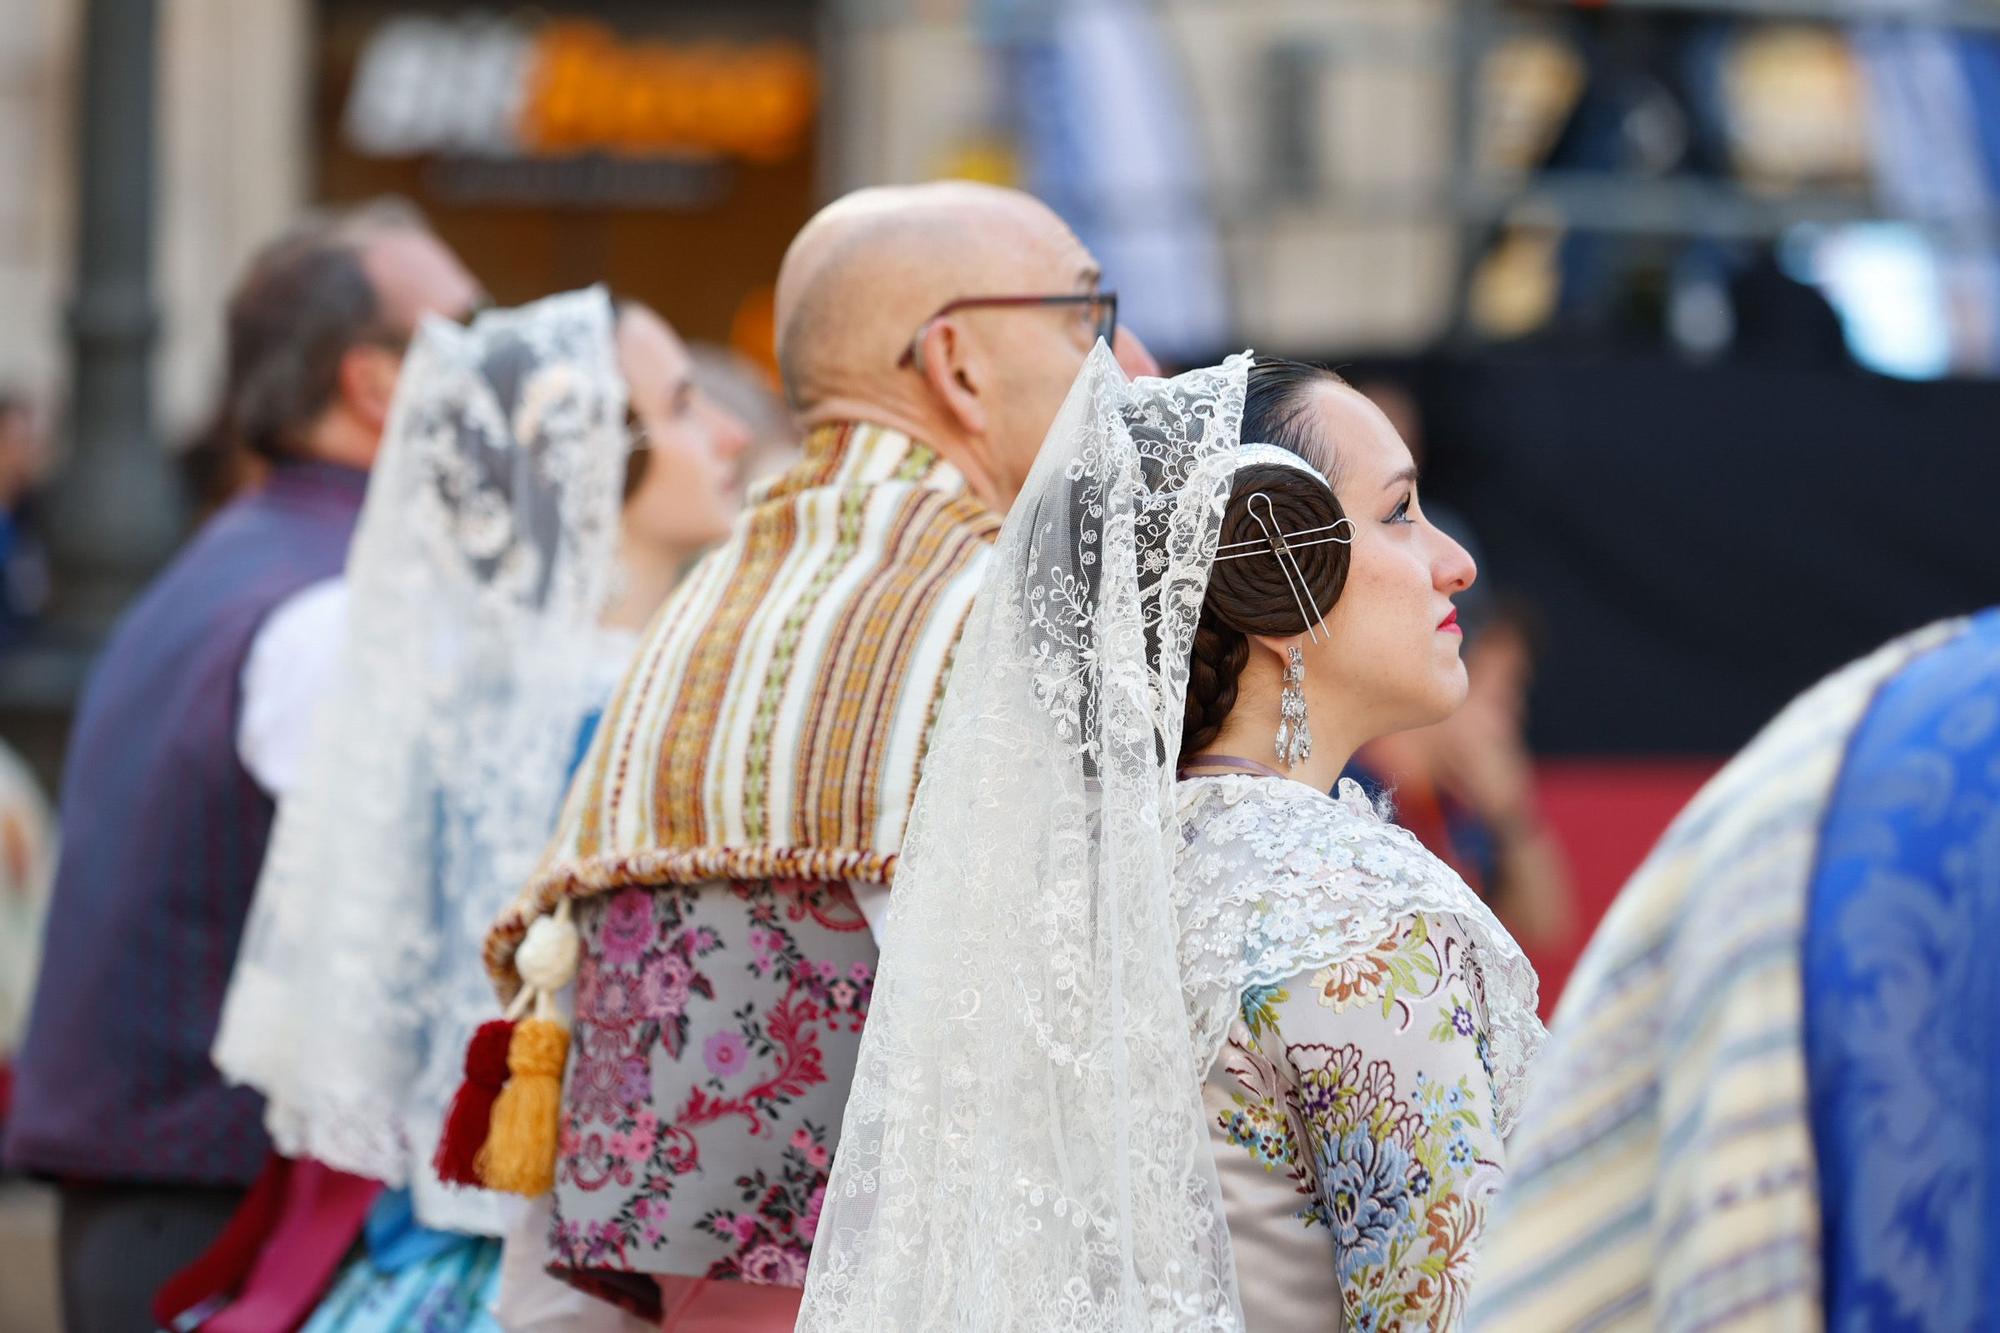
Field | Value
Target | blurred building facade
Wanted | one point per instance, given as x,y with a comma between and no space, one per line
230,121
1312,140
1324,176
1300,144
1528,203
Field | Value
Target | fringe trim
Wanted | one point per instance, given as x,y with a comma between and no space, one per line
587,878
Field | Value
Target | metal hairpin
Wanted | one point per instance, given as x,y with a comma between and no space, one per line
1258,546
1279,545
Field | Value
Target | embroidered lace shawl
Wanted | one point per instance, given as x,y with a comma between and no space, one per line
773,724
1662,1176
1274,878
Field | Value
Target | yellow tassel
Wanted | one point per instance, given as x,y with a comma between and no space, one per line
520,1152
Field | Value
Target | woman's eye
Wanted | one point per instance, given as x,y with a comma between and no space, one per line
1401,513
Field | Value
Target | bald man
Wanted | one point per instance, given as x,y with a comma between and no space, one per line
980,383
733,830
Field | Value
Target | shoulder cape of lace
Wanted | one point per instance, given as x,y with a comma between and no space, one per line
1275,878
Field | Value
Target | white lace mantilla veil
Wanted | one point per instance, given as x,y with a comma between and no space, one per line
1024,1147
479,568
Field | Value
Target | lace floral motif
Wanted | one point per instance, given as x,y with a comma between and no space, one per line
478,572
1275,879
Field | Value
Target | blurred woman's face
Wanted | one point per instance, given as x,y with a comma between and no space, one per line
688,490
1388,655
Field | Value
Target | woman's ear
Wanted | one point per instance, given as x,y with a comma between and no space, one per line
1278,649
367,383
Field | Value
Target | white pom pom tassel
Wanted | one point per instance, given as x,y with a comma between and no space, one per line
546,959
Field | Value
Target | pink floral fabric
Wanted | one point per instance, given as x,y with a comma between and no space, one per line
716,1031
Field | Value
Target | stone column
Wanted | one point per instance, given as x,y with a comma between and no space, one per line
116,509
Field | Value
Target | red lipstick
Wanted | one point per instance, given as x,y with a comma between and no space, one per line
1449,625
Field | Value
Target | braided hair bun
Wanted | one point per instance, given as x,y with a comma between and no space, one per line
1253,595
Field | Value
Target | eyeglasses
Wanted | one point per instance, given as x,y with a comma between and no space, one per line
1103,306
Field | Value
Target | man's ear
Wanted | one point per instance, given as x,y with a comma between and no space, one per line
956,374
367,383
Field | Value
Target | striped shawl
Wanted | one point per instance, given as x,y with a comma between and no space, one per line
1663,1175
773,724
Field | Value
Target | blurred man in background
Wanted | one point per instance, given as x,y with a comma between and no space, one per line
191,723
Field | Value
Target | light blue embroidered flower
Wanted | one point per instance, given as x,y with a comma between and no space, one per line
1366,1196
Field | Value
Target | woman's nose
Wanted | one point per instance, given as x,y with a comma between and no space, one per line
732,436
1454,570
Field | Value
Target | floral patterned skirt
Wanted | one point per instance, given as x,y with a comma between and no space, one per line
716,1031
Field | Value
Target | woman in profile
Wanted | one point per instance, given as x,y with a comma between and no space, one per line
1164,1035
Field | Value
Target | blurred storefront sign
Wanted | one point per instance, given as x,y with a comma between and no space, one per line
669,149
572,112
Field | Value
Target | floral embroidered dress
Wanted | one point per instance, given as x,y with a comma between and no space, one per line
1355,1109
703,1094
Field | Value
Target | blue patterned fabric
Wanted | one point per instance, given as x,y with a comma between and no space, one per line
411,1279
1902,983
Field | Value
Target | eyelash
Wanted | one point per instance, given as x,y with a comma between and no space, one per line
1401,513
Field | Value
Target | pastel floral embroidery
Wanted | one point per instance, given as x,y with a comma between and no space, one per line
628,927
1455,1021
1355,979
1364,1197
1403,967
1259,1013
1387,1128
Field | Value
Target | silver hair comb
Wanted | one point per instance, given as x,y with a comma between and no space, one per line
1279,546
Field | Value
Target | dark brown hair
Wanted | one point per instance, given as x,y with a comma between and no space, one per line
302,303
638,457
639,454
1253,596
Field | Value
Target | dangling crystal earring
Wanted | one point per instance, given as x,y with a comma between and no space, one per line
1295,739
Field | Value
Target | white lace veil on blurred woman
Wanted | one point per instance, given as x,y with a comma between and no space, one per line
502,560
1208,1053
481,565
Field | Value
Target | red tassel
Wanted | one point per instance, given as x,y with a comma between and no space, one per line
471,1113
